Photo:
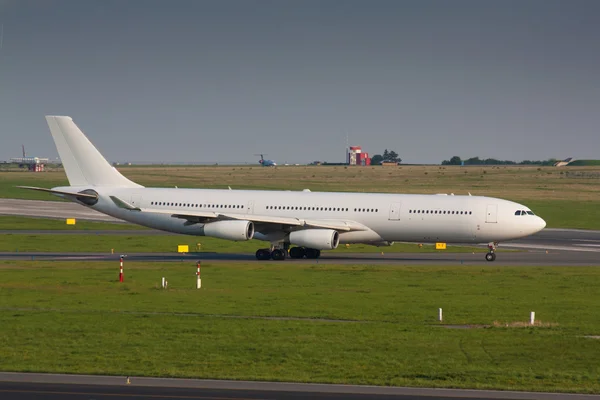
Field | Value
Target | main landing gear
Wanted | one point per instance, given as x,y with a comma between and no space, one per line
301,252
491,255
278,254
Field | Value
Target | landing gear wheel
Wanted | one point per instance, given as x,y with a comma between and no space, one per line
297,252
278,254
312,253
490,256
263,254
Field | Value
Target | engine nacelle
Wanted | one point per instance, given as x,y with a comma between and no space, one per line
230,230
319,239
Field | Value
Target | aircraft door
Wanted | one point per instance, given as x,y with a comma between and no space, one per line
136,200
250,207
491,216
394,212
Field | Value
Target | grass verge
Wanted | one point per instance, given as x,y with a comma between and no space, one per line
62,317
26,223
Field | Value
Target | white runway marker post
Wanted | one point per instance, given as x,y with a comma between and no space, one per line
532,318
198,280
162,285
440,315
121,277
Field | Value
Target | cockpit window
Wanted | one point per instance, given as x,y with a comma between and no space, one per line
518,212
530,213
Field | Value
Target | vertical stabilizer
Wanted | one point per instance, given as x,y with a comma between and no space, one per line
83,163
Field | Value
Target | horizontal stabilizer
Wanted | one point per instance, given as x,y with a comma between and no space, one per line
60,192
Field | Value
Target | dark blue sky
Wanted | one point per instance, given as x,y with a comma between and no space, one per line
218,81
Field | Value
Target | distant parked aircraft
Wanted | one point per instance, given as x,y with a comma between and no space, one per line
266,163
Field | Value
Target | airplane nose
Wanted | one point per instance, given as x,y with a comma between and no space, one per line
541,223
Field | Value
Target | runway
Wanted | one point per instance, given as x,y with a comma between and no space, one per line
52,209
58,386
521,258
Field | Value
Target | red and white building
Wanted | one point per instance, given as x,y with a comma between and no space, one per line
357,157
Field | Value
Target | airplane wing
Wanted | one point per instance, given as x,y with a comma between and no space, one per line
195,217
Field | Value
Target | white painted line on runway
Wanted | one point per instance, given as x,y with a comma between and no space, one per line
550,247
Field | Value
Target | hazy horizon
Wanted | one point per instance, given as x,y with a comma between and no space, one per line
204,81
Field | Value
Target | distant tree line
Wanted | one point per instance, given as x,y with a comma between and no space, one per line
456,160
388,156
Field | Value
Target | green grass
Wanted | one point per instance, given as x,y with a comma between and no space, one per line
60,317
124,244
26,223
584,163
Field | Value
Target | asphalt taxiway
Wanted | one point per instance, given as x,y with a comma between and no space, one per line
51,209
521,258
59,386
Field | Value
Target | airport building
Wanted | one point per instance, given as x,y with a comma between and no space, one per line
34,164
357,157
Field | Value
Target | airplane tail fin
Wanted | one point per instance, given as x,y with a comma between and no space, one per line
83,163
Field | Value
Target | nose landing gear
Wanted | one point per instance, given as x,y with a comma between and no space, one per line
491,255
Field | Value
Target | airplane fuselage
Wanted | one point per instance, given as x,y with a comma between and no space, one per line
388,217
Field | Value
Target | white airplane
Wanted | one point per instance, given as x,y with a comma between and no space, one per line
311,221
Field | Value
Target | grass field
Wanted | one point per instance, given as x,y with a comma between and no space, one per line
65,317
124,244
587,163
565,197
24,223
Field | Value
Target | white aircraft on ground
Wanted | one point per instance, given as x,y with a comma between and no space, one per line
311,221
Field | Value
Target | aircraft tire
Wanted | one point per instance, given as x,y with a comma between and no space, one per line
263,254
278,254
312,253
490,256
297,252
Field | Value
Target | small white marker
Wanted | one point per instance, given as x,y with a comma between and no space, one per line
440,315
532,318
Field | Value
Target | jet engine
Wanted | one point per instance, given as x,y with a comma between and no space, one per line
230,230
318,239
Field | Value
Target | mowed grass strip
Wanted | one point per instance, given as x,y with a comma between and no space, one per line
564,197
26,223
75,318
140,243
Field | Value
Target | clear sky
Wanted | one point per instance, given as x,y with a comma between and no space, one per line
219,81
